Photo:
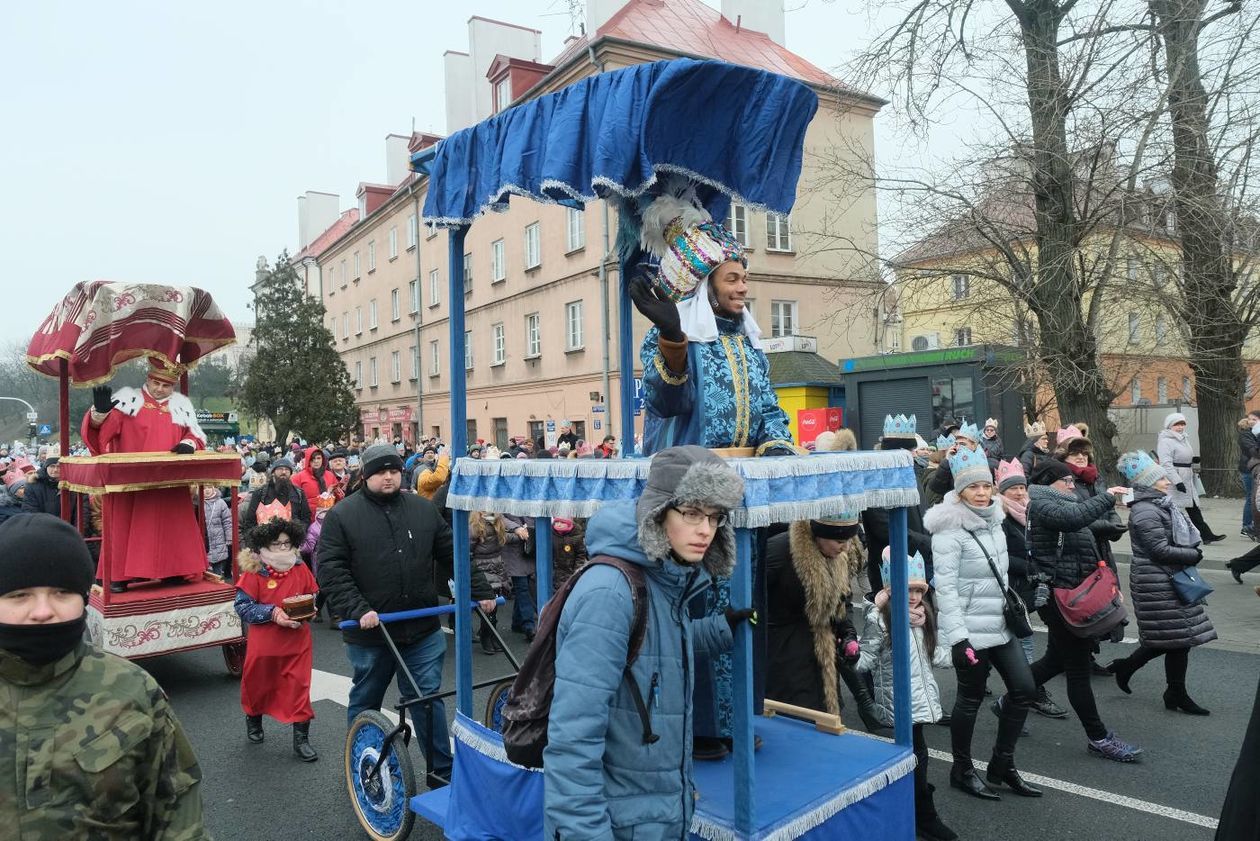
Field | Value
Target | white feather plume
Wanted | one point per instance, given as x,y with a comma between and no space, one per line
677,199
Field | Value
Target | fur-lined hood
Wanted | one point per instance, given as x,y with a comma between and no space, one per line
952,513
689,475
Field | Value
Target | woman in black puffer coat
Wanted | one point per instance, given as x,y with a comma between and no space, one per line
1164,542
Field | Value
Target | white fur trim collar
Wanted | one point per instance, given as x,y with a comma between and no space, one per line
952,513
700,325
129,401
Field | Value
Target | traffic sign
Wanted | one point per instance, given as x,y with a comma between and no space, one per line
45,429
32,416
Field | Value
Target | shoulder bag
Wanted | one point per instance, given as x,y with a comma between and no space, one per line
1190,586
1014,612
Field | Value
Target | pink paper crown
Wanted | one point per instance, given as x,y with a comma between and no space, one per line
1010,469
1066,434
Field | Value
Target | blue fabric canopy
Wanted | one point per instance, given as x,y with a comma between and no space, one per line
736,130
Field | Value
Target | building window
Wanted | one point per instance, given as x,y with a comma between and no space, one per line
962,336
533,252
435,366
1185,390
962,286
415,362
372,377
411,231
393,242
778,232
498,344
533,336
1135,327
502,94
358,321
468,350
1249,388
357,272
395,305
358,375
372,321
414,290
345,325
372,256
395,367
435,288
467,275
498,267
737,223
1161,390
1161,332
573,325
782,318
345,276
1135,391
576,229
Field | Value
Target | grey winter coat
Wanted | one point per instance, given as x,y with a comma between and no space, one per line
969,599
1163,621
218,528
876,658
514,561
1176,456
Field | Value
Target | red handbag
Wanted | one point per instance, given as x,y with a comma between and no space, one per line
1094,607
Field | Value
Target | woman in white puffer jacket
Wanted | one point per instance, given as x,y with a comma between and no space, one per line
966,536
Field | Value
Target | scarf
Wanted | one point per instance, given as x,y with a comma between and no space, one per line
1183,531
40,645
1087,474
699,323
281,562
1017,511
918,615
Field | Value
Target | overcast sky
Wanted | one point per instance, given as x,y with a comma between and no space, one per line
167,142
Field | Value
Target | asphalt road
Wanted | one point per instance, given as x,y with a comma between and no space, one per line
263,792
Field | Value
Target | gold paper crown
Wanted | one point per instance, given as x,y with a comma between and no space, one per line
1035,429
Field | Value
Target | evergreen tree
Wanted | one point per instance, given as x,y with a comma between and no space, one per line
295,376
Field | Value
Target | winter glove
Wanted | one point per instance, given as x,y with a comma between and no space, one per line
734,617
779,450
851,651
102,399
963,655
1041,597
184,448
1181,487
1198,551
664,314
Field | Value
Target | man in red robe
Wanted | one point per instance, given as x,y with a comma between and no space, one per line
150,533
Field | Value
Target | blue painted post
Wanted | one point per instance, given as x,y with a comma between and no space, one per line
625,355
742,685
900,599
542,559
459,449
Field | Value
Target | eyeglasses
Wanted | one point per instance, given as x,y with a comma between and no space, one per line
275,547
694,517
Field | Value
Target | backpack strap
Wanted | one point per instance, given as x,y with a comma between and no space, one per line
638,630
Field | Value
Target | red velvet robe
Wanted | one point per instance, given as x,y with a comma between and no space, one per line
154,533
277,676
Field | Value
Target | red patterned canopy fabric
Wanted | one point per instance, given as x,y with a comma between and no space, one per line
100,325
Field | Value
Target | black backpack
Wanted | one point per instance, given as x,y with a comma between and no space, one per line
528,706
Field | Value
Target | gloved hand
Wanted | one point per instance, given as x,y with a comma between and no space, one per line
779,450
963,655
102,399
1041,597
1117,633
743,614
184,448
664,314
1198,551
1181,487
850,651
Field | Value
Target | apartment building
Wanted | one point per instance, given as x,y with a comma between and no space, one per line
541,332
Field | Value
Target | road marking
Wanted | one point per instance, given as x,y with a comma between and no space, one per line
327,686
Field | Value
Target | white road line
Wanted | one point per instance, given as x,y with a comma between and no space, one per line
327,686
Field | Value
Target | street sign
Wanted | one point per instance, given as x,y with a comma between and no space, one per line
45,429
32,416
638,396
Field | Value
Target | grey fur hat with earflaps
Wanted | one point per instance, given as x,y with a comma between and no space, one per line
689,475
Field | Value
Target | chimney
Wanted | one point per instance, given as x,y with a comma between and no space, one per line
461,108
316,213
757,15
598,13
489,39
397,159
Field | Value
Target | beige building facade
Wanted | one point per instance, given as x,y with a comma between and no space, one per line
533,302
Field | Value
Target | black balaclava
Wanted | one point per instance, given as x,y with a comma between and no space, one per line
40,550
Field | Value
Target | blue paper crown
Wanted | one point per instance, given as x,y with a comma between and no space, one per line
944,442
900,426
969,431
916,569
969,466
1140,469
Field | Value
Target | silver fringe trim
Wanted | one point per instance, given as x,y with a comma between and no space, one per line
491,749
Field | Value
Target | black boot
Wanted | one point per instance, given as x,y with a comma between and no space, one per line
253,728
1002,770
118,586
488,645
302,743
927,823
965,778
866,708
1175,698
1124,670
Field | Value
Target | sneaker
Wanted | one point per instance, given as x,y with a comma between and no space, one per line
1114,749
1046,706
446,629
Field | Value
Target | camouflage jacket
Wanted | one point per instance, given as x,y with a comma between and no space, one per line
91,749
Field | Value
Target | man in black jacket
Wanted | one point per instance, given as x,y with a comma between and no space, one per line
383,551
278,498
42,493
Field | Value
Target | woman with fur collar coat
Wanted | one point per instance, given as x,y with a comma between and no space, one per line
968,544
808,573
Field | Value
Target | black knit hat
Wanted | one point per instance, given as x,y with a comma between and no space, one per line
380,457
1048,471
40,550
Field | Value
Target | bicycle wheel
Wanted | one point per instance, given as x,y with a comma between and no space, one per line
234,657
494,705
382,804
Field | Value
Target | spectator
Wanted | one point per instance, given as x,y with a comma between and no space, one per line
278,498
1176,454
218,519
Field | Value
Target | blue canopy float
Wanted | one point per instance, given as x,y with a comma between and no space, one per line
737,133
